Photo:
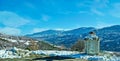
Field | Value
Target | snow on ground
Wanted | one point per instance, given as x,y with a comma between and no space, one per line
27,42
14,53
11,40
8,54
74,54
95,57
19,53
54,52
21,40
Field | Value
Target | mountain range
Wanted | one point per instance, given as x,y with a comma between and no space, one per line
109,36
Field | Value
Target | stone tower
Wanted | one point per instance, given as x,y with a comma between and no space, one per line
92,44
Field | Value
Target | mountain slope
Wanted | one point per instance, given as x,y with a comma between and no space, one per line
110,37
8,41
66,38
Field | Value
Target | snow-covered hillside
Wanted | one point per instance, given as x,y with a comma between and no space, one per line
9,41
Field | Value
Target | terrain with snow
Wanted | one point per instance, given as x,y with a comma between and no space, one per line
8,41
17,46
20,53
109,36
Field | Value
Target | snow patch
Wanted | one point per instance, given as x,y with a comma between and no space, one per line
54,52
14,53
27,43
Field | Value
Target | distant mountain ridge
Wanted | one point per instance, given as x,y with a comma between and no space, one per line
60,32
110,36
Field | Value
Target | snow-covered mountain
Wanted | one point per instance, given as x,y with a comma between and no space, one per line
110,36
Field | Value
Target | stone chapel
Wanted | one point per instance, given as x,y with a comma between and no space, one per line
92,44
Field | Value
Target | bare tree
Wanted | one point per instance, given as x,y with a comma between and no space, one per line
78,46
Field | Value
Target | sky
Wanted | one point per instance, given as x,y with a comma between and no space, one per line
20,17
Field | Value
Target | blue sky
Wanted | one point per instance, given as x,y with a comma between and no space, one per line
20,17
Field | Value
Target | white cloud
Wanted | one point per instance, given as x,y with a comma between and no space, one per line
93,6
101,3
10,31
95,11
11,19
45,17
115,11
93,3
